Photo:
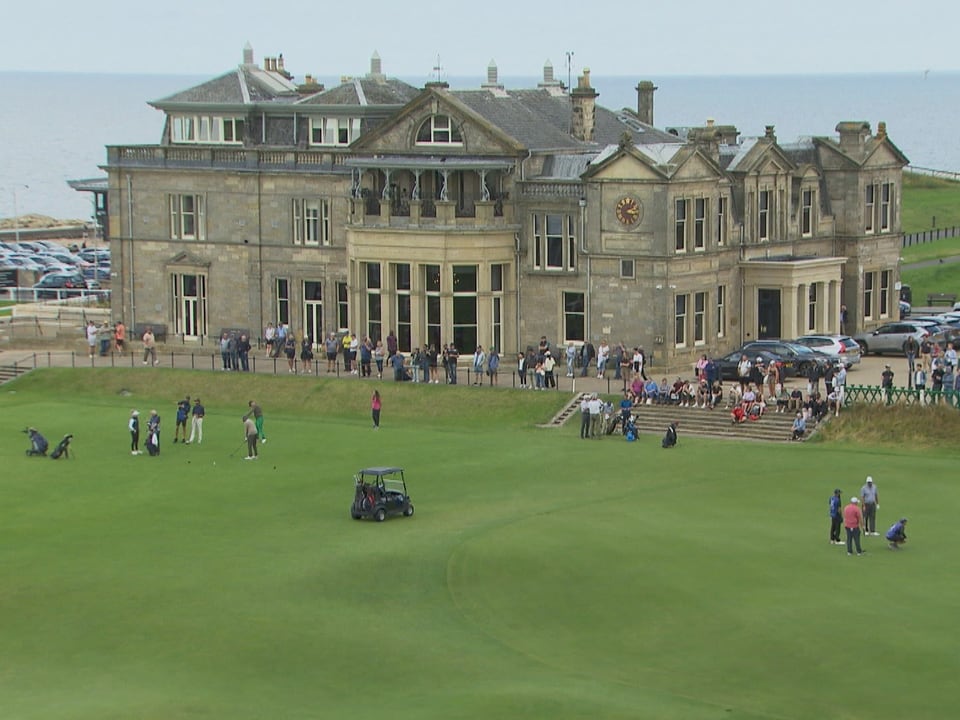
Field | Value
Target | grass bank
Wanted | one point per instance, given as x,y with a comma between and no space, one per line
929,202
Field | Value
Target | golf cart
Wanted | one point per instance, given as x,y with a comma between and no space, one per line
379,492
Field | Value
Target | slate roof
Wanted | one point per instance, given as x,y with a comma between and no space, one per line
365,91
540,120
245,85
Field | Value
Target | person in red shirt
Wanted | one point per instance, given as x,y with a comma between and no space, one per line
853,521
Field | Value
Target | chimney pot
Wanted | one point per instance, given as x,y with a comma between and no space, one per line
645,90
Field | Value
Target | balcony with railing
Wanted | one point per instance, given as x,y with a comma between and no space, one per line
225,158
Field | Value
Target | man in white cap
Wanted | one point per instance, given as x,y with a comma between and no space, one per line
852,520
871,501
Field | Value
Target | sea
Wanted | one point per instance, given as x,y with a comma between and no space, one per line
55,127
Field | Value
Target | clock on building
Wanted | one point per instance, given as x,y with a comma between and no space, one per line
628,210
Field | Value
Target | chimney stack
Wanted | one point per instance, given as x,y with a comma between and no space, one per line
548,73
881,130
492,83
376,66
645,90
853,133
247,54
584,101
769,134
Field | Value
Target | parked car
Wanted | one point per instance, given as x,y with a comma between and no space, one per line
380,492
842,348
794,358
890,338
55,285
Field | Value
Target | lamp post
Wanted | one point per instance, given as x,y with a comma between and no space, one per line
16,214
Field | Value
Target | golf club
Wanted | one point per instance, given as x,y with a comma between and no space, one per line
243,444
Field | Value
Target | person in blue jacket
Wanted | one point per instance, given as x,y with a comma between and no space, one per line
836,517
897,534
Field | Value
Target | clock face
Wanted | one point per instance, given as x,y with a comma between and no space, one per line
628,211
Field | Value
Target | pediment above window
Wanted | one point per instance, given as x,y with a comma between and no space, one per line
187,260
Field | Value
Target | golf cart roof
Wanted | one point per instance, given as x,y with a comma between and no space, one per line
381,470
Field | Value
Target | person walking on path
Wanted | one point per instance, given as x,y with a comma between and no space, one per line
250,433
196,422
91,338
257,414
120,335
852,521
836,517
886,382
871,501
149,347
134,426
375,405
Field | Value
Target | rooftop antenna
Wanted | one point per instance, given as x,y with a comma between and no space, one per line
438,68
569,55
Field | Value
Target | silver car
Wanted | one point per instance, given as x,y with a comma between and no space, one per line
890,338
842,348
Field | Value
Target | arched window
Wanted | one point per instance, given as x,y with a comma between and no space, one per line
439,130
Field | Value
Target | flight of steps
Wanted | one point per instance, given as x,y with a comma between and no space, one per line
772,426
10,372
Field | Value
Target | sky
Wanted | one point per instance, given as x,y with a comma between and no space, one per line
742,37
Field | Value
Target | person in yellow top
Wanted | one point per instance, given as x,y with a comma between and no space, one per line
347,367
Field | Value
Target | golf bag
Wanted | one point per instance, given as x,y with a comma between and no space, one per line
62,448
670,438
38,443
630,432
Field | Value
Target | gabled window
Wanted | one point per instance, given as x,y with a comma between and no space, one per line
334,130
439,130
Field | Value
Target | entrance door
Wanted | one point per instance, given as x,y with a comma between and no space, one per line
313,311
190,305
768,313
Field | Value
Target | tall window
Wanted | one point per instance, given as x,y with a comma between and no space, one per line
886,197
680,226
869,206
574,317
699,318
763,217
465,307
431,285
721,221
374,302
812,307
806,213
554,242
699,223
868,296
187,217
283,300
721,310
439,130
313,310
311,221
401,281
334,130
343,307
207,129
189,304
680,321
496,287
885,276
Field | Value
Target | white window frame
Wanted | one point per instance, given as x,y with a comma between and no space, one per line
699,318
206,129
547,235
334,131
681,211
721,311
179,216
680,307
311,221
886,207
868,290
869,208
885,277
807,196
440,130
700,206
721,221
764,215
574,295
812,299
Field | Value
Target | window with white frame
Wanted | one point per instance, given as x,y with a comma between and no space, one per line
680,321
343,307
721,310
431,287
680,225
402,284
699,223
886,199
311,221
283,300
812,307
574,317
334,130
554,242
869,205
374,301
208,129
496,317
885,277
868,296
189,304
721,221
764,199
187,217
439,130
699,318
806,212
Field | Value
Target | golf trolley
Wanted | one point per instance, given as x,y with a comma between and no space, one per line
380,492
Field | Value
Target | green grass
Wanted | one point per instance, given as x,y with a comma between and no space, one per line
929,203
932,279
541,577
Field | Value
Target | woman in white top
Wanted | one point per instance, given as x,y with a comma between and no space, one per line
603,352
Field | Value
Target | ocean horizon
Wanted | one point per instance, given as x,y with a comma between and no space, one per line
55,127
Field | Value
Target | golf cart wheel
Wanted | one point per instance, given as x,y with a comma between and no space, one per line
408,512
380,515
354,514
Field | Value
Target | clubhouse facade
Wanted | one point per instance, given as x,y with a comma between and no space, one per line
493,217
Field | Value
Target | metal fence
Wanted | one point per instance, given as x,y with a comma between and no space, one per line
928,236
877,395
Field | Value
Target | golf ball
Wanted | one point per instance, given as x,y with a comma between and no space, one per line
214,462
